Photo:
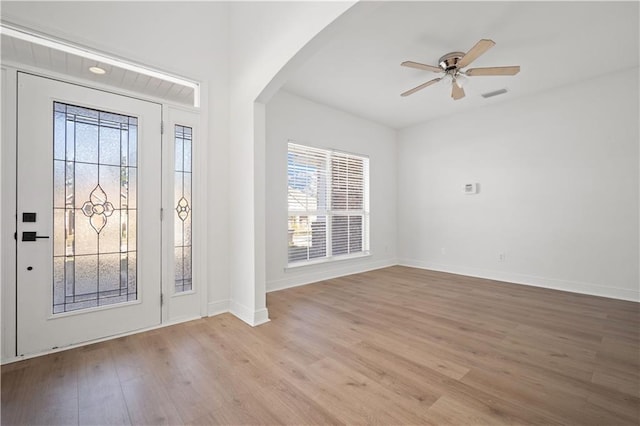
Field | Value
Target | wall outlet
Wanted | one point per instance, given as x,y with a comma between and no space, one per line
502,257
470,188
443,250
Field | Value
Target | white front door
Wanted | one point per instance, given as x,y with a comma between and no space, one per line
88,223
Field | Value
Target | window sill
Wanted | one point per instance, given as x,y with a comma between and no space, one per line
324,260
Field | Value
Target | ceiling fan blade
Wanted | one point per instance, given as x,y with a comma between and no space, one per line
477,50
420,66
422,86
493,71
457,92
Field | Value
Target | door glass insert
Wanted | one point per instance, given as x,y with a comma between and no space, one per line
182,199
94,212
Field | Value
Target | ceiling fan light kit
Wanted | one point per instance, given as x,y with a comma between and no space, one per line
451,65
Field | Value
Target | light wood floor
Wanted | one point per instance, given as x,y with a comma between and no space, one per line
393,346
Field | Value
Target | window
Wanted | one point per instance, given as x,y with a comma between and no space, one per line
182,202
94,212
328,198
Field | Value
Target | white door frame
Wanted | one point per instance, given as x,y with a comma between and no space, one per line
8,206
8,157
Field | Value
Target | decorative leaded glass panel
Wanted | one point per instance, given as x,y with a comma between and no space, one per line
94,213
182,201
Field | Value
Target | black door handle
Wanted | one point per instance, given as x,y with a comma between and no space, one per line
32,236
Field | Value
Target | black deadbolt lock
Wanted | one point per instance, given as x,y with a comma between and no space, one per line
28,217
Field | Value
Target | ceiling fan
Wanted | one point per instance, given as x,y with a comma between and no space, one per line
451,65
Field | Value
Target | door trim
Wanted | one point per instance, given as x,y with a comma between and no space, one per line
8,218
8,213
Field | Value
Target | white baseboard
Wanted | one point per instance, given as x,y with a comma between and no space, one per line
530,280
250,316
300,277
253,318
218,307
261,316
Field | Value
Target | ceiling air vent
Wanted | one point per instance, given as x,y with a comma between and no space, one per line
494,93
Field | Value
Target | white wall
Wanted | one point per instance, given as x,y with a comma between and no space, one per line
559,194
264,37
290,117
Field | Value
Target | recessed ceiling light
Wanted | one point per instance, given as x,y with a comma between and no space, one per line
97,70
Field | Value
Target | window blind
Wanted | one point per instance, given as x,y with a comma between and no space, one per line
327,202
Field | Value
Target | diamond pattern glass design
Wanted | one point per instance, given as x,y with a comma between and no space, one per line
182,222
94,212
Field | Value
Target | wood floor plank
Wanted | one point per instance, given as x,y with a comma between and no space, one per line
392,346
50,389
100,398
58,390
621,382
450,411
537,392
359,393
149,403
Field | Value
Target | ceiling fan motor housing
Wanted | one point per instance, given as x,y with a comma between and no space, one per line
450,61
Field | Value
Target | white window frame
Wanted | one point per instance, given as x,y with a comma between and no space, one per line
329,212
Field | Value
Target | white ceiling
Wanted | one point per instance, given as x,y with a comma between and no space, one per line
555,43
